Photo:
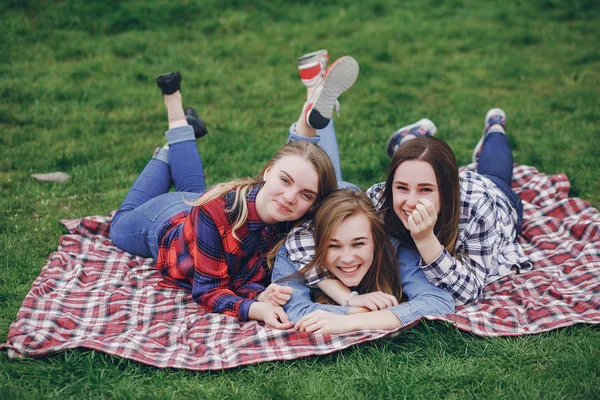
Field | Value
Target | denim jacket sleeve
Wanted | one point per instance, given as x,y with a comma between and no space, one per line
423,297
300,304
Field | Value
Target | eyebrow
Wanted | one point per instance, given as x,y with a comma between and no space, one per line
353,239
292,179
418,184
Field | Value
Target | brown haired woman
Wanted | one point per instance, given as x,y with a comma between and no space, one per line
353,248
465,225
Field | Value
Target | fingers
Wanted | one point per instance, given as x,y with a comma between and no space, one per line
383,300
416,215
280,295
310,323
276,324
374,301
423,218
284,289
278,319
306,324
281,315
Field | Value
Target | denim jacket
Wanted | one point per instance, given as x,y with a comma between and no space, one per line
423,297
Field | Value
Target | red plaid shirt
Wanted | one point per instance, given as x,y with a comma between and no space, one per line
198,252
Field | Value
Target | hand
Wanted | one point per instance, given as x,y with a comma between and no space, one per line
275,294
422,220
373,301
273,316
325,322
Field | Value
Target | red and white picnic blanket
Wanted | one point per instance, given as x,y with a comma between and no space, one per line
94,296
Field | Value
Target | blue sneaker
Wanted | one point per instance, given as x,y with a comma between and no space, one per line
423,127
495,116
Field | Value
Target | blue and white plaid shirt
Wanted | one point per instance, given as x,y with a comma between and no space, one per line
300,244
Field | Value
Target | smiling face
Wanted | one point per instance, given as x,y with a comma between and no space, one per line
414,180
351,248
290,189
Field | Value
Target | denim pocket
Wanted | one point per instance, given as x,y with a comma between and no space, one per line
166,205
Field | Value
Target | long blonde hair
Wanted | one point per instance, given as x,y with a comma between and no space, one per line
308,151
383,275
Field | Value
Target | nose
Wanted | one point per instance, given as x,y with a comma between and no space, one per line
289,196
347,256
412,200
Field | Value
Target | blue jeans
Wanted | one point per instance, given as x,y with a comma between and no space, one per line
149,204
496,163
138,223
327,140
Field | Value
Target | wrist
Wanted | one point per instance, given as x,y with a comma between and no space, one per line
429,248
255,312
357,310
349,297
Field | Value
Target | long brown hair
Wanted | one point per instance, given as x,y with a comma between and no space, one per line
383,275
439,155
308,151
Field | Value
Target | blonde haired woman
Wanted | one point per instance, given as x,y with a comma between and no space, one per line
214,242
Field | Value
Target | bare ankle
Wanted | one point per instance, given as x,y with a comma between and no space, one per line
303,129
175,113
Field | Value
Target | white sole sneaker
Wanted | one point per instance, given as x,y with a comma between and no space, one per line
339,77
488,115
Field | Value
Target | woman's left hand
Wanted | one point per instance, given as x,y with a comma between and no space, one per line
422,220
325,322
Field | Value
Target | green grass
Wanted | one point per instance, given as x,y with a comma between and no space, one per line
78,95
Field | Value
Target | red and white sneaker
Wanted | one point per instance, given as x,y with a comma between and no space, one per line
312,66
339,77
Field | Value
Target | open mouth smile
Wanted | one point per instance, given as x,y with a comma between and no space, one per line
349,269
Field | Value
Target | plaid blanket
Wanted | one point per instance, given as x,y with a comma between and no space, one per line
92,295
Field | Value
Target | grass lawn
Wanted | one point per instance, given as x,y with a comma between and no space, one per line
79,96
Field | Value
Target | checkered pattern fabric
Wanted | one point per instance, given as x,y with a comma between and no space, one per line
92,295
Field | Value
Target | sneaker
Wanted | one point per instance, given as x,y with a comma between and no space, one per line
495,116
423,127
339,77
312,66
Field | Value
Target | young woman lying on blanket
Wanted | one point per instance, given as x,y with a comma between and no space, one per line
465,225
353,247
215,242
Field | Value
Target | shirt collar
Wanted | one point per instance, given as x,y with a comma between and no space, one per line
253,221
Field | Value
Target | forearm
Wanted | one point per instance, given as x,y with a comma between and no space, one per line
429,248
464,279
375,320
335,289
224,301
